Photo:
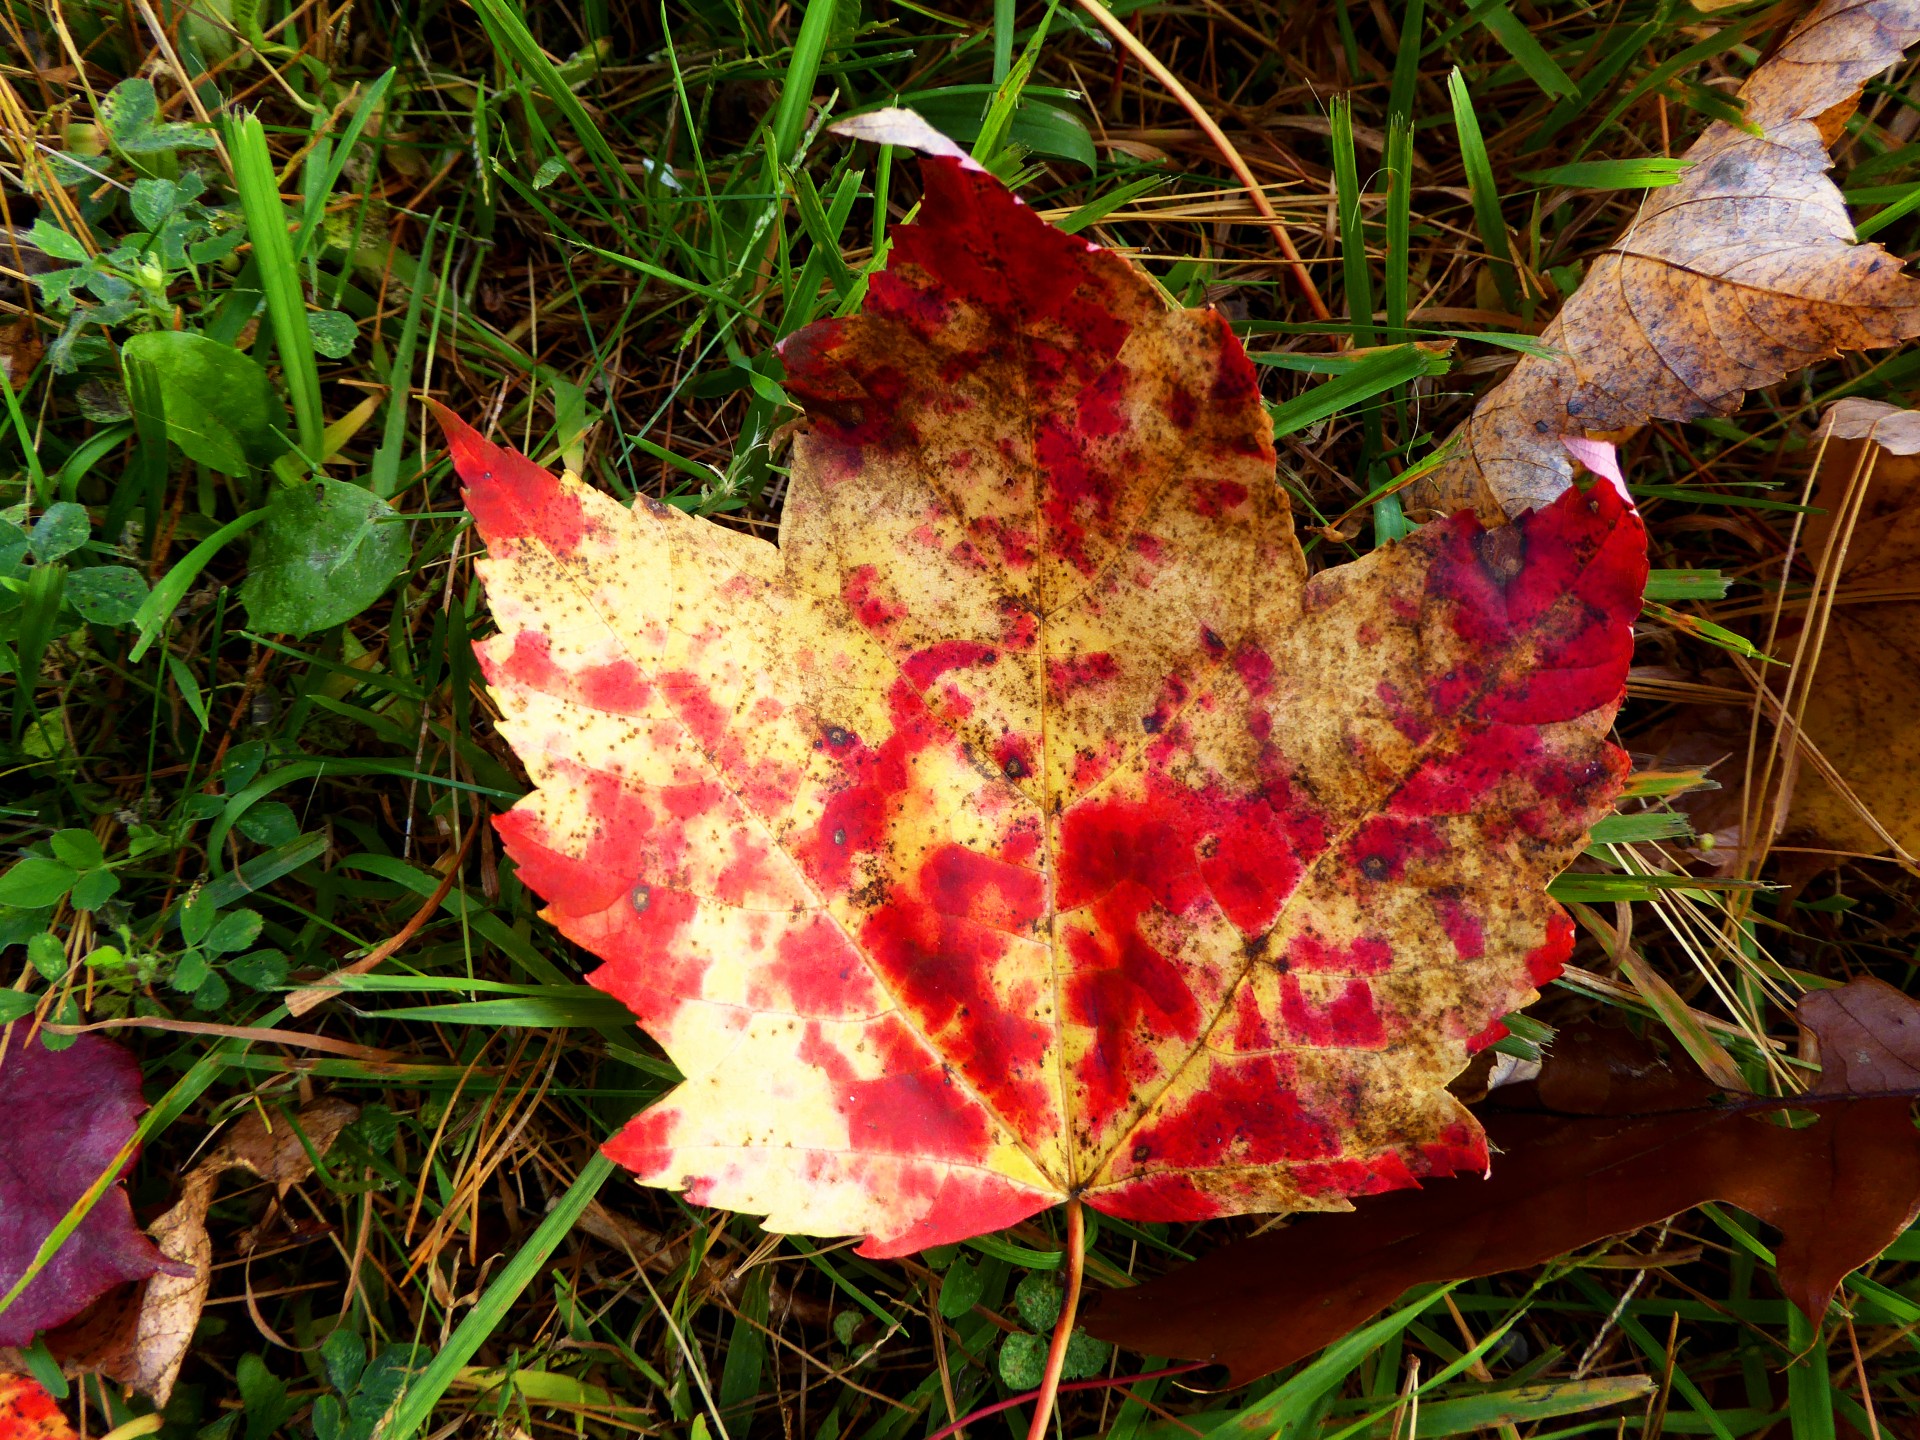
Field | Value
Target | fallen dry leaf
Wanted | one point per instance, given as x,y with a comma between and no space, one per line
1868,1035
20,350
168,1306
28,1412
1862,705
1028,825
1742,273
1712,741
280,1153
139,1336
70,1113
1839,1190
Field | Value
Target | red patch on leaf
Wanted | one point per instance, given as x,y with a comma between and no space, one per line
511,498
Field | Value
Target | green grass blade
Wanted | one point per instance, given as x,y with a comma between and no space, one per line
741,1372
1809,1388
1518,41
1898,210
510,34
1292,1399
259,872
35,623
337,165
1615,56
582,1009
1652,825
1645,173
1094,211
1602,889
1712,1420
789,121
1687,585
415,1406
1406,60
1372,376
1486,197
259,190
1354,273
36,477
824,234
882,194
1399,223
1694,495
161,601
994,129
1721,41
383,475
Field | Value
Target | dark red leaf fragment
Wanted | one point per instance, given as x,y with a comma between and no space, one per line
1838,1190
69,1113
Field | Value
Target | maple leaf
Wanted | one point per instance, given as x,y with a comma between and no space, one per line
1860,703
28,1412
1743,272
1623,1139
70,1114
1028,825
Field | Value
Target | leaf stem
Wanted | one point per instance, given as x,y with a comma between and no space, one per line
1063,1331
1149,62
1105,1382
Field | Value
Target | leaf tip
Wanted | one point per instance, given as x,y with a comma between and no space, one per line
511,498
898,126
1599,457
468,447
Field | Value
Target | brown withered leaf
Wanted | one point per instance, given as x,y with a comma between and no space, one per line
138,1335
1713,739
276,1153
1862,706
1741,274
20,350
1869,1038
1839,1191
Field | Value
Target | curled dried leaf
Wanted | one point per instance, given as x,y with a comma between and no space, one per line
1744,272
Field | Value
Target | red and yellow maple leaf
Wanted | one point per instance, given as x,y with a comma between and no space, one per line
1027,824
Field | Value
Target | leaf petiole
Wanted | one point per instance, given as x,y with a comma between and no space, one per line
1063,1329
